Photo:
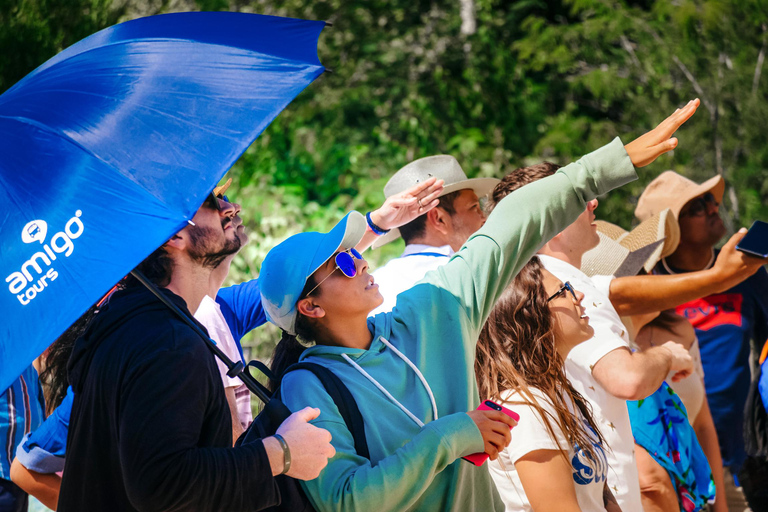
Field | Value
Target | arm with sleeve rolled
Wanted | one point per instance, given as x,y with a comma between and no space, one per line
161,418
351,482
41,454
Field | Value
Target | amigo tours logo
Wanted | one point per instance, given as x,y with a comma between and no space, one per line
38,272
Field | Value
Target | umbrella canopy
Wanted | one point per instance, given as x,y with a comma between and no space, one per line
112,145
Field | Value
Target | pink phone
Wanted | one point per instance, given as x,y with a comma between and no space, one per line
478,459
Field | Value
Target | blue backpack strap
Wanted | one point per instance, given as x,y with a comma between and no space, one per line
344,401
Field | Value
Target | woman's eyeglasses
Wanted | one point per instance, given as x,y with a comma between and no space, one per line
345,261
699,205
566,287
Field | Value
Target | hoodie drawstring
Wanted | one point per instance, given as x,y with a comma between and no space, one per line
387,393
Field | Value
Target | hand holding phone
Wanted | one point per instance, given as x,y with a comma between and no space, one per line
495,432
755,242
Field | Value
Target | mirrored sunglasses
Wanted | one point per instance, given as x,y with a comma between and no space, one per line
566,287
345,261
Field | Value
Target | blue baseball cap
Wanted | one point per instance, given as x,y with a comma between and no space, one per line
287,266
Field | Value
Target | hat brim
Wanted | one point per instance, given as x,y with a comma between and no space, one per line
288,266
716,185
346,234
480,186
623,253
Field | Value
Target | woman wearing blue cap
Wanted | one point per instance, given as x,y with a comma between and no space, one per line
411,370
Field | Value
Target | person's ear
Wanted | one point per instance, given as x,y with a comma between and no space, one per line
309,308
178,241
439,220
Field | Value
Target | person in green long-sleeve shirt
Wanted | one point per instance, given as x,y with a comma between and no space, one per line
411,370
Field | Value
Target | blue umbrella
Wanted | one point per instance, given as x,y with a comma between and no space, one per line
112,145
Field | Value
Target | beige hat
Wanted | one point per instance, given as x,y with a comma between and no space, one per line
673,191
621,253
443,167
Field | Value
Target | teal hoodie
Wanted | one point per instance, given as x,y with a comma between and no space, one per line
436,325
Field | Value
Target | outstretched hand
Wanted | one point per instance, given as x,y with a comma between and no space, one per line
647,148
733,266
402,208
495,428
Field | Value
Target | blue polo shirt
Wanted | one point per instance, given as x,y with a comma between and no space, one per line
725,324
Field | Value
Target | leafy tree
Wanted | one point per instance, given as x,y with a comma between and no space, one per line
623,65
32,31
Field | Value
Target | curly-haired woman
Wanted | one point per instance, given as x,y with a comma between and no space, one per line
556,457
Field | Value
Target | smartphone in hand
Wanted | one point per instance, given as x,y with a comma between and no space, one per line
755,242
478,459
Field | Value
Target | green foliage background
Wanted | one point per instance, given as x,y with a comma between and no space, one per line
497,84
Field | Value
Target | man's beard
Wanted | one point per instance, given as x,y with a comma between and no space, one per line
201,247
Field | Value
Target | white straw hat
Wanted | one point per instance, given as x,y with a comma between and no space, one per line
442,167
621,253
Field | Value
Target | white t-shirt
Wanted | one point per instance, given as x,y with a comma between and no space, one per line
209,314
400,274
610,413
530,435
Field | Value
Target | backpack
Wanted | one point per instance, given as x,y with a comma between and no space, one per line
755,423
292,496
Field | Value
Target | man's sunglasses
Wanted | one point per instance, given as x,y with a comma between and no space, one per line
699,205
212,201
345,261
566,287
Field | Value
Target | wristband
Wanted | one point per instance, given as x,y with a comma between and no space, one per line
373,227
286,453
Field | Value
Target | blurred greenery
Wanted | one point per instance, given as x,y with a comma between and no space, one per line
497,84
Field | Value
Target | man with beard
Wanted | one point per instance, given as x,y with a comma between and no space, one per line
725,322
150,427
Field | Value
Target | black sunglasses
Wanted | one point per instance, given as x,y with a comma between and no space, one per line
699,205
566,287
212,201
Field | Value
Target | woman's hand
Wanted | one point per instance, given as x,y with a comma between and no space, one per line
647,148
495,428
402,208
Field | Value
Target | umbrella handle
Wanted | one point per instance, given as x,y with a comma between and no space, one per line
235,369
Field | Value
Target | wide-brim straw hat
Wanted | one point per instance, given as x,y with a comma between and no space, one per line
624,253
442,167
673,191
